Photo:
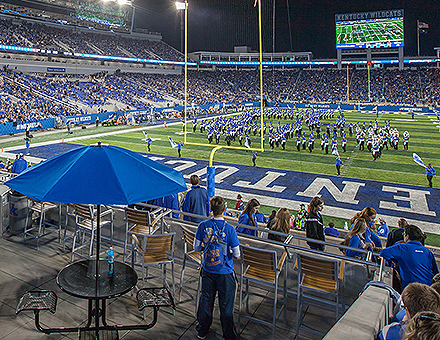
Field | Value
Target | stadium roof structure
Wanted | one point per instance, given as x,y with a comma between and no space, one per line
251,56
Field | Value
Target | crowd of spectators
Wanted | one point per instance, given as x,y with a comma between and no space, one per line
76,20
72,40
54,95
405,87
20,103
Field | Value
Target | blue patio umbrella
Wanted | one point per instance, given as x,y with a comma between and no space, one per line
98,174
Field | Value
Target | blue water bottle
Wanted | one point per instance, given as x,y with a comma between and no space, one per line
111,261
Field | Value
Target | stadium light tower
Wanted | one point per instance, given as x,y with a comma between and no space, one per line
181,6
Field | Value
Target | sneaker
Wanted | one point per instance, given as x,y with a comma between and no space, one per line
201,335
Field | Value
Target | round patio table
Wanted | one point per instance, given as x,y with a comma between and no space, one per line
79,279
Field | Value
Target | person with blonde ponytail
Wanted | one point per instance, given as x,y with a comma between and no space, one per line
369,215
355,239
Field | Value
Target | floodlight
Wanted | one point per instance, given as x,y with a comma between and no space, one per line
181,5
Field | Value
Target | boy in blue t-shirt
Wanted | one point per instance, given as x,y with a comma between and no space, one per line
218,278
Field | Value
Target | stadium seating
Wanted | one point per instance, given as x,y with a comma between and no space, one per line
36,35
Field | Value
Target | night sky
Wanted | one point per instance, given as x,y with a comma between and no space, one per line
219,25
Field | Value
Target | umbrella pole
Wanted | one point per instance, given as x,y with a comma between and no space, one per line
98,240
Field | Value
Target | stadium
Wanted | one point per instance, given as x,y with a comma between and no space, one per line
282,129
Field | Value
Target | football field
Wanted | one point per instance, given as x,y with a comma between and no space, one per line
394,165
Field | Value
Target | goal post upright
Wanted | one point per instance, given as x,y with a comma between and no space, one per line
210,173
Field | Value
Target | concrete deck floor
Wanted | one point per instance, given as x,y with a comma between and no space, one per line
23,267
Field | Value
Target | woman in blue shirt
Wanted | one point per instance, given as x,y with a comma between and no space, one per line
248,217
355,239
369,215
430,172
338,165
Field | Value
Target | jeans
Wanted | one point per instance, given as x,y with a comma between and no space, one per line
224,285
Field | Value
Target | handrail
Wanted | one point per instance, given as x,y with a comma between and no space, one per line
293,247
275,233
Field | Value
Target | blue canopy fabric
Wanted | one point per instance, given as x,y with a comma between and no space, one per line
98,175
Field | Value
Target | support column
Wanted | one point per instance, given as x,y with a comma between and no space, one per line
401,58
339,56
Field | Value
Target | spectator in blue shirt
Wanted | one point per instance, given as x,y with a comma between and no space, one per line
260,218
424,325
416,263
430,172
196,201
247,217
19,165
217,279
331,230
416,297
383,229
355,239
369,215
170,202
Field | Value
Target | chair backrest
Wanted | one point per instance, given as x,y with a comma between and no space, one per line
84,211
139,217
318,273
159,218
262,263
156,244
189,238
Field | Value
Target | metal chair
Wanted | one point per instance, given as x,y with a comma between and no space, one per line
70,213
318,275
154,250
262,268
196,259
40,208
137,222
86,223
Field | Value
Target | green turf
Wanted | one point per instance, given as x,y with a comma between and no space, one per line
394,165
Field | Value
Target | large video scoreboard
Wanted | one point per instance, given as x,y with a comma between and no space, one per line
381,29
